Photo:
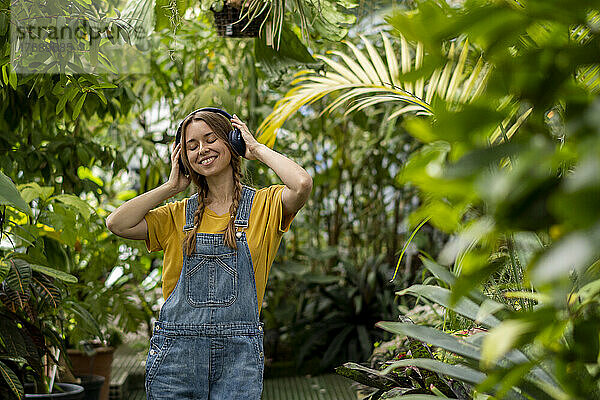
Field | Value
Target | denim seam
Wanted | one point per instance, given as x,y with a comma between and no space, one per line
162,353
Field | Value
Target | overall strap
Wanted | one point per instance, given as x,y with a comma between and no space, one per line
243,211
190,209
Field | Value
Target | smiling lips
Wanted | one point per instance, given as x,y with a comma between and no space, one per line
208,161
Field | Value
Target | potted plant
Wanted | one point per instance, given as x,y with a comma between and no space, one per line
31,295
111,299
323,17
229,20
107,303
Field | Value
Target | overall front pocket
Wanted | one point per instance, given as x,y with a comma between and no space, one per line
211,280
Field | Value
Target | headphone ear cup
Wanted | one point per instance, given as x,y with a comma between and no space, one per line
237,142
182,167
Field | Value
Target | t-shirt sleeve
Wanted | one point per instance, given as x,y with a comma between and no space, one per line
161,224
277,221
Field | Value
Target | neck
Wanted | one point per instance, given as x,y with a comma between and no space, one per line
220,188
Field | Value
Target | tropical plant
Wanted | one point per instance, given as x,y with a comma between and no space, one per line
31,291
368,80
469,361
494,197
419,372
339,315
491,187
320,16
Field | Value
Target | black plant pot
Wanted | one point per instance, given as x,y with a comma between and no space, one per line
92,384
69,392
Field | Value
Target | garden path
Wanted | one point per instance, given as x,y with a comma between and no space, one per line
127,382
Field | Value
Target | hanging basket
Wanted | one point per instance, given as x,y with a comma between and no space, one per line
228,25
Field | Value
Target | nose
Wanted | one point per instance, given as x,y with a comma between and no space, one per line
202,148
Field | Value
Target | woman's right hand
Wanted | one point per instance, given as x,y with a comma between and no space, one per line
177,180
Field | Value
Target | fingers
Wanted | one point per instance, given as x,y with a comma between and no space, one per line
176,154
237,123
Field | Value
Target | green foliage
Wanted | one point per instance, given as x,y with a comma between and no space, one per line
31,296
509,174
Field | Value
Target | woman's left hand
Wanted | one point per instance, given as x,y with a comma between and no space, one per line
251,143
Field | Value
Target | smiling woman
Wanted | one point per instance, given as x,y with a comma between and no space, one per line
205,151
219,245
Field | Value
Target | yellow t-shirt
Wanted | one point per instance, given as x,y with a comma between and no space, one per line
266,226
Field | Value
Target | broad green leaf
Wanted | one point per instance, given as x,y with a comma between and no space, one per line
12,78
63,276
32,190
9,195
455,371
366,376
439,295
442,273
432,336
501,340
293,54
78,105
75,202
12,381
590,290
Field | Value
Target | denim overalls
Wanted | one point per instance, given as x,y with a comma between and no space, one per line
208,340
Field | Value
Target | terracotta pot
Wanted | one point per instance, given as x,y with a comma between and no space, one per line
98,364
71,392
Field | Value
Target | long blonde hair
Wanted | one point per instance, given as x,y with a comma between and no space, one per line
221,127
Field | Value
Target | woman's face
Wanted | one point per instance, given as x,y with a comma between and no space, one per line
207,153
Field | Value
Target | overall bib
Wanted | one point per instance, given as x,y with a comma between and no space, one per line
208,340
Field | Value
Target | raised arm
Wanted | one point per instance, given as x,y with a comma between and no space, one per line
128,220
298,183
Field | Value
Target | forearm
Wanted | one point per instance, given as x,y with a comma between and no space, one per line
298,183
131,213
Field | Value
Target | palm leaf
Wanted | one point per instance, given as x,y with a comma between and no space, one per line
367,80
9,195
84,318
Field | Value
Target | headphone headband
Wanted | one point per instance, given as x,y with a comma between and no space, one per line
210,109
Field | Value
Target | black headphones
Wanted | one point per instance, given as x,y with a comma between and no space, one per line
234,136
